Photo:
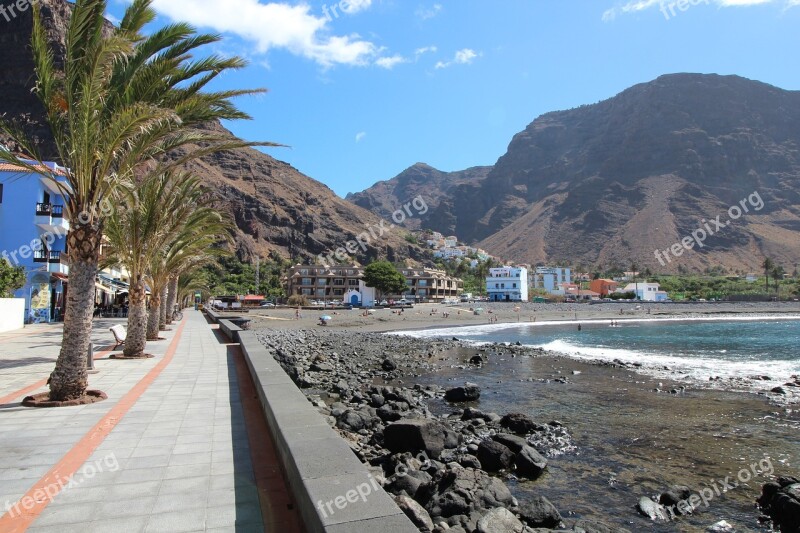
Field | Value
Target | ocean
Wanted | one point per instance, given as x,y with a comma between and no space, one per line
630,437
692,350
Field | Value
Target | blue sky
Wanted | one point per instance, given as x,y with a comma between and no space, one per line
362,92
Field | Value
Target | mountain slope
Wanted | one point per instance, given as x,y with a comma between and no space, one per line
276,208
433,185
610,183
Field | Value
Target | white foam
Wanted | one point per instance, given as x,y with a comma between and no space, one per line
483,329
672,366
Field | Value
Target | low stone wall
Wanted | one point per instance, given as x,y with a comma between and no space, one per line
334,491
12,314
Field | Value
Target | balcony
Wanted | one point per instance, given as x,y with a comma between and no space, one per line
50,218
57,264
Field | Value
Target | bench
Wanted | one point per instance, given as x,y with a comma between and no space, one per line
119,335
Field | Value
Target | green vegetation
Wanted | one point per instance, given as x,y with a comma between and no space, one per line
298,300
721,287
385,278
231,276
11,278
474,278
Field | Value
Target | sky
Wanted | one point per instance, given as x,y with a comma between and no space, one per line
360,90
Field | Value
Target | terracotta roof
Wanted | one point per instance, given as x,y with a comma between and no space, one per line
8,167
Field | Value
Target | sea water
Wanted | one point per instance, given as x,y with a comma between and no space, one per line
703,349
630,436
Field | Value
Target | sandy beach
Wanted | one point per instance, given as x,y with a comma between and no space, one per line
426,316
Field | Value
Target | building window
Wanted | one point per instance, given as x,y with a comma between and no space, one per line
502,285
322,282
306,281
514,286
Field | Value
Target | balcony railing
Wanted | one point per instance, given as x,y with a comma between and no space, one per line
55,257
40,256
49,210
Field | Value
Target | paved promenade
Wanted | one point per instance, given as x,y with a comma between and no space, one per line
180,445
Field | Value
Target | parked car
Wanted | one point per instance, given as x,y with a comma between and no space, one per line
383,302
267,304
403,301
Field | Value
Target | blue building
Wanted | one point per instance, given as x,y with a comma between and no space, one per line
33,231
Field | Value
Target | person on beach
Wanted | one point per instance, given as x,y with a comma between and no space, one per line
297,315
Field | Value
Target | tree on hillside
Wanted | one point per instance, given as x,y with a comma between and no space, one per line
385,278
767,265
777,275
11,278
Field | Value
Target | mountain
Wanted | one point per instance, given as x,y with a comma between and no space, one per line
276,207
610,183
433,185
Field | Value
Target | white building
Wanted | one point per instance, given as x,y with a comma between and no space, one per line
648,292
507,284
449,253
550,278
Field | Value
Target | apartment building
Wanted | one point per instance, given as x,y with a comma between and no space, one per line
507,284
33,235
345,283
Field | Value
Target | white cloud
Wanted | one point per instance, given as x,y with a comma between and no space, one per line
634,6
351,7
426,13
390,62
432,49
462,57
360,136
276,25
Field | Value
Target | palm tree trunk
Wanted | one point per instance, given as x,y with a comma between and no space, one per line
162,314
137,320
153,314
69,379
172,296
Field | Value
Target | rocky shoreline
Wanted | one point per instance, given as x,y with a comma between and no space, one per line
447,472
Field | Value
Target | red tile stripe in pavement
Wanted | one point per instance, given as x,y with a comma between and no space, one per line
51,484
42,382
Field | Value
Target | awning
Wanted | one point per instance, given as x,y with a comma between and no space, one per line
102,288
62,277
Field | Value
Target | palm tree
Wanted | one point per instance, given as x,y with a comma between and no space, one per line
767,265
195,243
120,99
777,276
